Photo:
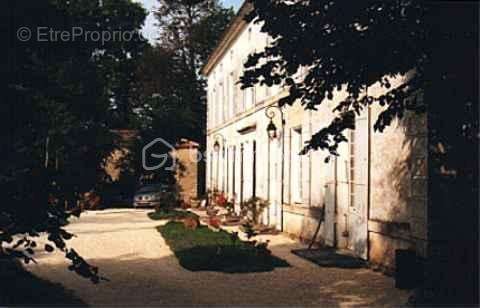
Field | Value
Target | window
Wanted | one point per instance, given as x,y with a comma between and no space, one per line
253,90
241,98
267,88
234,151
210,186
416,131
358,165
221,102
296,165
217,107
227,97
225,100
248,97
209,109
231,86
351,173
254,169
214,108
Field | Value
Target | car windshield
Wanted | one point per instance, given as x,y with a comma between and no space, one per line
150,188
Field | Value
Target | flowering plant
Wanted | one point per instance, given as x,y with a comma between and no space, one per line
221,200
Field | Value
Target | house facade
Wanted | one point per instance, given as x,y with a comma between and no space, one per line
371,199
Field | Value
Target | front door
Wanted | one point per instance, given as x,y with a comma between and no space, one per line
358,194
330,212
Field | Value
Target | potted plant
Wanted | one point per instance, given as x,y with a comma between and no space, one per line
253,208
221,200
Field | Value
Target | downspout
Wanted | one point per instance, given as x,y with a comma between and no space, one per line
369,165
223,168
268,180
227,182
310,161
217,180
283,170
335,201
47,152
241,175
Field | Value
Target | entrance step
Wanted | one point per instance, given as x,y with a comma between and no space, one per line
329,257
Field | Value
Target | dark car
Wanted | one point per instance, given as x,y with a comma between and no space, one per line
151,195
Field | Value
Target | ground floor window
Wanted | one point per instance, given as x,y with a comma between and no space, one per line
254,170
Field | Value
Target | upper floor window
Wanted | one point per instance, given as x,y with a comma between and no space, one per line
267,88
247,98
296,165
231,93
241,96
209,109
227,97
221,103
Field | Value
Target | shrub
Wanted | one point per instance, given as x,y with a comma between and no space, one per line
221,200
253,208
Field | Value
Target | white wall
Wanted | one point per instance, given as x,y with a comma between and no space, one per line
325,187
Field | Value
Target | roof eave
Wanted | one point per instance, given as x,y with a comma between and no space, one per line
232,31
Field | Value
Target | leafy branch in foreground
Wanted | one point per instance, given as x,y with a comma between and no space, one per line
352,45
62,98
348,46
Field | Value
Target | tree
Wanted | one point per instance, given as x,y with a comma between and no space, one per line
189,31
171,90
55,126
355,44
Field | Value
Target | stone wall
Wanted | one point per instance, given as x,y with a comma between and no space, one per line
187,171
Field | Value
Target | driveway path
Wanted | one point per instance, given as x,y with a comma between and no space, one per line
143,272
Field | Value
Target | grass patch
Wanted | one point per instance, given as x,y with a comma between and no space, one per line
164,213
205,250
19,287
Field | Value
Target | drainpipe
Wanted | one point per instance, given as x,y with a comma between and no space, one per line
335,201
270,116
268,180
227,190
369,165
217,186
310,161
283,169
241,175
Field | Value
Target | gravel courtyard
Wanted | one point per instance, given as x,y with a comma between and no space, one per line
142,271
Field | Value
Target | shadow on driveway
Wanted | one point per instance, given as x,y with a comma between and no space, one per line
19,287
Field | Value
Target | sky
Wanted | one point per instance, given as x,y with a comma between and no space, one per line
149,30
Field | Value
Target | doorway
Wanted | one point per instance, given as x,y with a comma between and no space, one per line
357,188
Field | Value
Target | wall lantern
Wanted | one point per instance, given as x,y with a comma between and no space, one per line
216,146
271,130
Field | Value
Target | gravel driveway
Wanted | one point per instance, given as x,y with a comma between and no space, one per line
143,272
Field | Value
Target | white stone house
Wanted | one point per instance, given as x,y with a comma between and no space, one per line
371,199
